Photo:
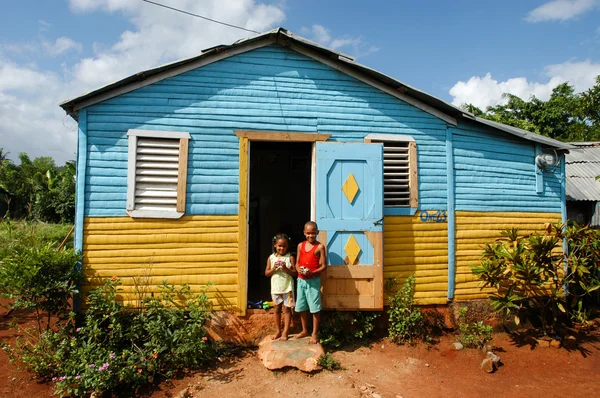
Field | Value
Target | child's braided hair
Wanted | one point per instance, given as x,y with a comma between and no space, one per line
280,236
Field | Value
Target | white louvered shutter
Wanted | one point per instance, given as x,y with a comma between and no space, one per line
396,174
156,173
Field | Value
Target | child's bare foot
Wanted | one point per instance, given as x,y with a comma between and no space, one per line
283,337
313,339
300,335
277,336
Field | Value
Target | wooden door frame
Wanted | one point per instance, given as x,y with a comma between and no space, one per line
245,138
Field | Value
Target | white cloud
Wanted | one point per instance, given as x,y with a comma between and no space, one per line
42,46
62,45
560,10
30,119
44,25
355,46
486,91
162,35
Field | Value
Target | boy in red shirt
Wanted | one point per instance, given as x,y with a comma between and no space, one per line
312,260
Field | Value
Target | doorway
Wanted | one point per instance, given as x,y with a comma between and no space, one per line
279,202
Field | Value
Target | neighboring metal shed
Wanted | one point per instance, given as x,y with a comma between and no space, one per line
583,191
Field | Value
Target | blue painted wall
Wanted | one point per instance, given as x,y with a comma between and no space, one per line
272,88
276,89
496,172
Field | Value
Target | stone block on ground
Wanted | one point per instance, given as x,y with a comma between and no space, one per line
296,353
488,365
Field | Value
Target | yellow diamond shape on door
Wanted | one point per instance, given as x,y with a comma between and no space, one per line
352,250
350,188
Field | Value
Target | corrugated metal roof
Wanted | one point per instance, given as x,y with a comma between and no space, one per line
582,167
71,105
584,154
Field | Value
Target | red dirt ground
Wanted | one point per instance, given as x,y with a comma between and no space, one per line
381,370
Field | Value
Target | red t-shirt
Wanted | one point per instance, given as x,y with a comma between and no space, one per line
308,260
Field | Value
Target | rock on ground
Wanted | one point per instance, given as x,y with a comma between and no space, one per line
296,353
488,365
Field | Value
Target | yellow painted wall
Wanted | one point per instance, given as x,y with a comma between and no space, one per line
411,246
474,230
193,249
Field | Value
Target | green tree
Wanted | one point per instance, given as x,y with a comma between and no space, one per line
566,116
38,189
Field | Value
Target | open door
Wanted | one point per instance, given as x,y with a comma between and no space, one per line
349,208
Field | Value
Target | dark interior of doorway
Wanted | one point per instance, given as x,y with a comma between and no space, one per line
279,202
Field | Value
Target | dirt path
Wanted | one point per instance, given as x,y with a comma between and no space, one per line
397,371
383,369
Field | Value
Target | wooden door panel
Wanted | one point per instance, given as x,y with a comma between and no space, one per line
349,215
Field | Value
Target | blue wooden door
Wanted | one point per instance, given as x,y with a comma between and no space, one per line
349,208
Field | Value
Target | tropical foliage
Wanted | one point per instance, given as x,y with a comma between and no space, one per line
37,189
531,276
117,348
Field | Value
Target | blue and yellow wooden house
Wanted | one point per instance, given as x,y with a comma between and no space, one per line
186,171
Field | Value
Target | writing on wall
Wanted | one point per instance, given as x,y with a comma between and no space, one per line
433,216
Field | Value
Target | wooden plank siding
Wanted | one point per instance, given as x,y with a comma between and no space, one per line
275,89
269,89
414,247
196,250
496,172
475,229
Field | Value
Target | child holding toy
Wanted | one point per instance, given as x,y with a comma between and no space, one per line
281,267
312,260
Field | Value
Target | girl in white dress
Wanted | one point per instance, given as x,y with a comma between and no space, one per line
281,267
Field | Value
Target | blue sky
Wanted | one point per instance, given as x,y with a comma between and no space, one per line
460,51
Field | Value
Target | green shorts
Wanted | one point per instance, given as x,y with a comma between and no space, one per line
309,295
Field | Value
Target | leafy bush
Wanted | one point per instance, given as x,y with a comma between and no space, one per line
472,334
40,278
339,328
328,362
406,322
530,274
118,349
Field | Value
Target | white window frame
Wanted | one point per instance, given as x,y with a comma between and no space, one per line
413,182
179,209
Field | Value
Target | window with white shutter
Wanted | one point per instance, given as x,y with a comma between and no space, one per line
400,183
157,173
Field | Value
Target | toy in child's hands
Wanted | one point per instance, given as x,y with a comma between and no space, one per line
304,270
279,265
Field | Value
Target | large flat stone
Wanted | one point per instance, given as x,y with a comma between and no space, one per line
296,353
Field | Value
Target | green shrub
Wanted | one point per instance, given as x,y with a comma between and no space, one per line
328,362
406,322
40,278
531,275
472,334
339,328
119,349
